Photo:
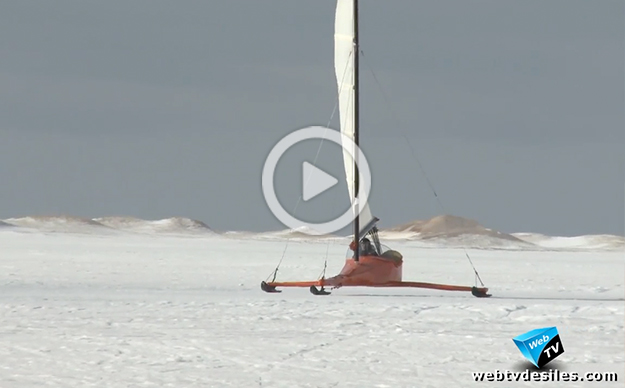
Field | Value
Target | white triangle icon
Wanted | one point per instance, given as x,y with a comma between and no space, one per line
315,181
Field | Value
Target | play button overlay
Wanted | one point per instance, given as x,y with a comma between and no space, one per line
315,181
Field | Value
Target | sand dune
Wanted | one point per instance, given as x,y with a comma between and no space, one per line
454,231
599,241
5,225
448,226
108,225
60,224
438,232
168,225
295,234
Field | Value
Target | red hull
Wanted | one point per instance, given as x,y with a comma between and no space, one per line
367,271
372,271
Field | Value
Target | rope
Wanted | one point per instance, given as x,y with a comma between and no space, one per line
314,163
322,275
414,156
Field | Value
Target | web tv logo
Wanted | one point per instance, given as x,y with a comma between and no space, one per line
540,346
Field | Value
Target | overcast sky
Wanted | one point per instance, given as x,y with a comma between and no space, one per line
160,108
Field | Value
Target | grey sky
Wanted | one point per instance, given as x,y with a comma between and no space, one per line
160,108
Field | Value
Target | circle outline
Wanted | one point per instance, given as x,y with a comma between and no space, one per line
347,145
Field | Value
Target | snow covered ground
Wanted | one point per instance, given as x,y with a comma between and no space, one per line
151,310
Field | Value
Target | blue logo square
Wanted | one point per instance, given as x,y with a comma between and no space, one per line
540,346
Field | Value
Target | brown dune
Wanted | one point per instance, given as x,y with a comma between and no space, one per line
450,226
45,220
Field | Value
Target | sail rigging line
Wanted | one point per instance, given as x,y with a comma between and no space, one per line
322,275
415,157
325,259
274,273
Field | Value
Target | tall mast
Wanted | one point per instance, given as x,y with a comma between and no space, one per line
356,53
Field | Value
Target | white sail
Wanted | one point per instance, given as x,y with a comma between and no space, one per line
344,67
